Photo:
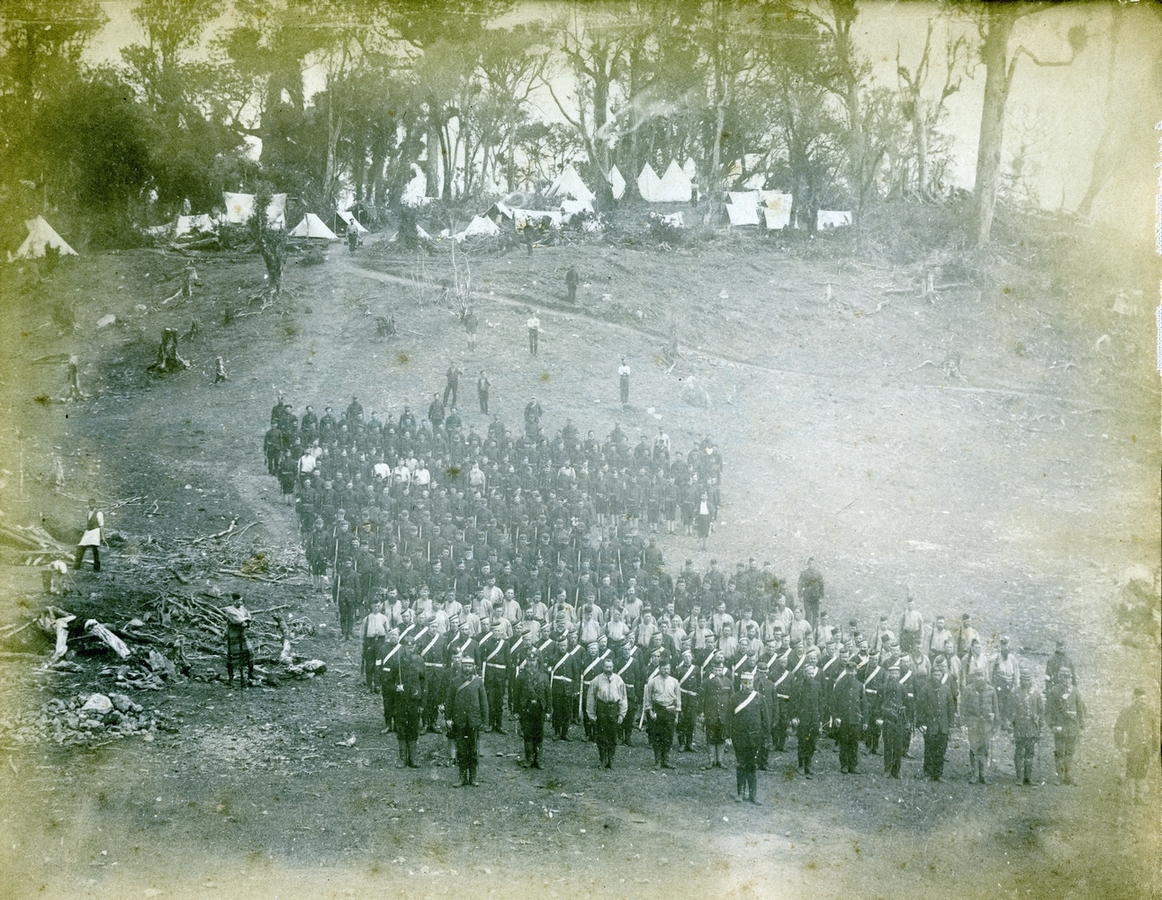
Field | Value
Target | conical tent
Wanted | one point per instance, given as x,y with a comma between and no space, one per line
41,235
351,222
675,185
617,183
312,227
569,184
649,185
479,227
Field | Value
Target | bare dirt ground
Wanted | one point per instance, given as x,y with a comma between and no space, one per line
994,451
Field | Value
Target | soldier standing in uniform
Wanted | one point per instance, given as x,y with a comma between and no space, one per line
936,714
811,592
492,658
483,383
1136,735
374,633
893,720
91,539
464,710
716,692
978,710
410,675
564,675
433,651
749,728
533,701
807,714
388,677
690,683
847,712
1066,715
1028,712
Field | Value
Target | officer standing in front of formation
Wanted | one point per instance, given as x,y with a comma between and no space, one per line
410,675
690,683
1065,713
936,714
847,715
1028,716
465,709
893,720
749,724
533,701
807,714
978,711
716,692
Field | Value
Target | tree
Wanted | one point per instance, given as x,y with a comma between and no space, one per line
924,115
996,23
271,241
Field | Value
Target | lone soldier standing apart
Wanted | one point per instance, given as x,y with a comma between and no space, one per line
607,704
483,383
811,592
749,727
571,282
94,522
534,325
452,383
623,373
465,709
1135,733
238,653
471,322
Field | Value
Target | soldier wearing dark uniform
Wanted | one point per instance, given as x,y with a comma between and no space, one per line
847,711
936,714
1028,716
979,713
492,659
629,668
410,675
716,691
811,592
465,708
807,707
1065,712
1136,734
388,677
690,683
433,650
893,720
533,701
749,728
872,685
565,677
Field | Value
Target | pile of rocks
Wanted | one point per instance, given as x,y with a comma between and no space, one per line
83,720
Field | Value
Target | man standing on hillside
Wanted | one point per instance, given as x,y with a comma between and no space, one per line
483,383
452,383
1136,735
534,326
91,539
607,705
811,592
623,373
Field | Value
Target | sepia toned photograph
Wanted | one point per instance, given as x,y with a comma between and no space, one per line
560,449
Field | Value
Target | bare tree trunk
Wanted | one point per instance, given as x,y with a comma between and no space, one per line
998,78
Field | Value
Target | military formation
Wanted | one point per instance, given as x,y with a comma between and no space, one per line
499,582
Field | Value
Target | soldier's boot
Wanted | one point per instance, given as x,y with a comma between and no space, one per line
411,753
752,778
739,784
536,756
529,753
472,775
981,761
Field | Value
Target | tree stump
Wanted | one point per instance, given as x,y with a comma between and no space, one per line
168,360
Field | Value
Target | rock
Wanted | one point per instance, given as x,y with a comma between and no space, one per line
121,703
98,703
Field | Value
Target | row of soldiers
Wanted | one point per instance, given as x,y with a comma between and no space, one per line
842,693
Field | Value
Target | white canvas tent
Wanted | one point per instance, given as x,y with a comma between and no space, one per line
831,218
569,184
522,216
187,224
675,186
776,219
479,227
617,183
240,207
41,235
570,208
649,185
312,227
351,222
743,214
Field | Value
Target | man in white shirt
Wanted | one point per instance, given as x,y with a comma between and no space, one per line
663,703
606,705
